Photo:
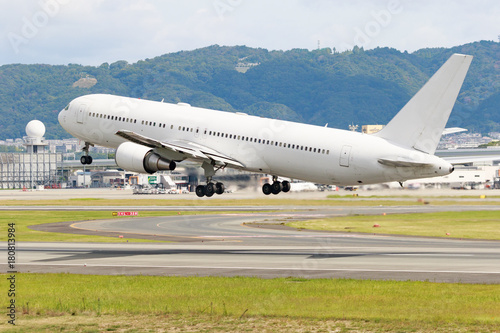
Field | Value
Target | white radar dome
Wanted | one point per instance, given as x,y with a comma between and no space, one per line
35,129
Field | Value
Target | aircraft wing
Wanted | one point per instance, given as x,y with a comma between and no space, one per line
189,149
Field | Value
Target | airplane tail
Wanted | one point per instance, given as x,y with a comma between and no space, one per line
420,123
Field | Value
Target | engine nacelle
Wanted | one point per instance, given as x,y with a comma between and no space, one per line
134,157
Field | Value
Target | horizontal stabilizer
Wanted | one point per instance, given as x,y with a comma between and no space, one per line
401,163
453,130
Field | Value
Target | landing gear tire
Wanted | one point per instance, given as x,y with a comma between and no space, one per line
86,159
267,189
219,188
276,187
200,191
209,189
286,186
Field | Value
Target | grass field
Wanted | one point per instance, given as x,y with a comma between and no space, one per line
92,303
472,224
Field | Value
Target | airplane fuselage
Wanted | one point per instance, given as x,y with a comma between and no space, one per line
282,148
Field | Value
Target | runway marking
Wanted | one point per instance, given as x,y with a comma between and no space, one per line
274,215
428,255
284,236
269,268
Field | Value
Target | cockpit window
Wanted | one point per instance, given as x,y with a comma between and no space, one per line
66,108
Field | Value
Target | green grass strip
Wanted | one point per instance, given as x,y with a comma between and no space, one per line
413,305
471,224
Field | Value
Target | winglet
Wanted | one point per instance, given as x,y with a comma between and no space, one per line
420,123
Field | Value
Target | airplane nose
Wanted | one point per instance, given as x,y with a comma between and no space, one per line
61,117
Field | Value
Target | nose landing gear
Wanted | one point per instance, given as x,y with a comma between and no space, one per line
86,159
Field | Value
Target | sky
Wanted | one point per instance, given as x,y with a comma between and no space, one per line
91,32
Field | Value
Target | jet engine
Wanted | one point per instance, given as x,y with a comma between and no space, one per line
134,157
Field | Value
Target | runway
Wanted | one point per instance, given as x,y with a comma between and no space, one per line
255,244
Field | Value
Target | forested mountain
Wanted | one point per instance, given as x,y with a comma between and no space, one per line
317,87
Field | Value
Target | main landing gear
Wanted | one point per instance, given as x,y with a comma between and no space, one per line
210,189
86,159
276,187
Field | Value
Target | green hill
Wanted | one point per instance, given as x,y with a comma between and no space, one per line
317,87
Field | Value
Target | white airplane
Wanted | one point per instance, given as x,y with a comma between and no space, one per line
152,136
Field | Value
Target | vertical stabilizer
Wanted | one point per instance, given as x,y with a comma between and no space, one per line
421,121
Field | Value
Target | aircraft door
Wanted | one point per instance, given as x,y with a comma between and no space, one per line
80,113
345,155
